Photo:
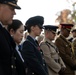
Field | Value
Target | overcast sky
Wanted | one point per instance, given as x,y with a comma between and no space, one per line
46,8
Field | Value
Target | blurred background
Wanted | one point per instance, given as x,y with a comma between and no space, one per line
54,11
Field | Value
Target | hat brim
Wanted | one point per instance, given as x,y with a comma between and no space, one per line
68,29
14,5
53,32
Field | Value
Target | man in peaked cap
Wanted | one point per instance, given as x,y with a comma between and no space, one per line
12,3
67,26
50,51
51,28
7,11
65,29
66,50
7,45
31,52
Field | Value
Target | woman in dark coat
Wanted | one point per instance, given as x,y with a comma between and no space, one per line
31,51
16,30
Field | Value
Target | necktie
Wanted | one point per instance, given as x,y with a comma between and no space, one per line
19,52
19,48
36,42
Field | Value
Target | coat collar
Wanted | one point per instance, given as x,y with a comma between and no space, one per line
49,41
31,40
62,37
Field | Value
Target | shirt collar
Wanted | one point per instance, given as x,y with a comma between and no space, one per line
32,37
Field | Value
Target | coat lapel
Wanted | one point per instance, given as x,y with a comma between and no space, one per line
33,42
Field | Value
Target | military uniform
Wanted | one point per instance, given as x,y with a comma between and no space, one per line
33,58
52,58
7,45
74,45
50,51
7,58
66,52
66,49
31,51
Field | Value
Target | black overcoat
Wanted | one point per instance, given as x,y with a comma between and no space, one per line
10,62
33,58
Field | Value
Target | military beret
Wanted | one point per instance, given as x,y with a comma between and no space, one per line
36,20
51,28
67,26
12,3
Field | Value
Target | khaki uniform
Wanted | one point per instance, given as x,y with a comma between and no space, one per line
74,45
67,54
53,60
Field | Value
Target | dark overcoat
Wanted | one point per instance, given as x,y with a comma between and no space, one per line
33,58
10,62
6,52
20,67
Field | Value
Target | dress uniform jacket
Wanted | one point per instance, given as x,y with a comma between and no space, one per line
66,52
6,53
52,58
33,58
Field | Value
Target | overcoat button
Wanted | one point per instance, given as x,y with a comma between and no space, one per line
32,73
43,64
12,66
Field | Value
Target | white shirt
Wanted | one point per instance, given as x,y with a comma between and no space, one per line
17,49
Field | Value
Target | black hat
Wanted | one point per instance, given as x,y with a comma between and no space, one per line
51,28
12,3
67,26
36,20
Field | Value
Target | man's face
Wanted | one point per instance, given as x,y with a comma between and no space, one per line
66,32
51,35
6,14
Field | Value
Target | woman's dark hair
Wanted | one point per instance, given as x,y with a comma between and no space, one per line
28,28
15,25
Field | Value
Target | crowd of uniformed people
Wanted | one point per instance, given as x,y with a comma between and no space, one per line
37,54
